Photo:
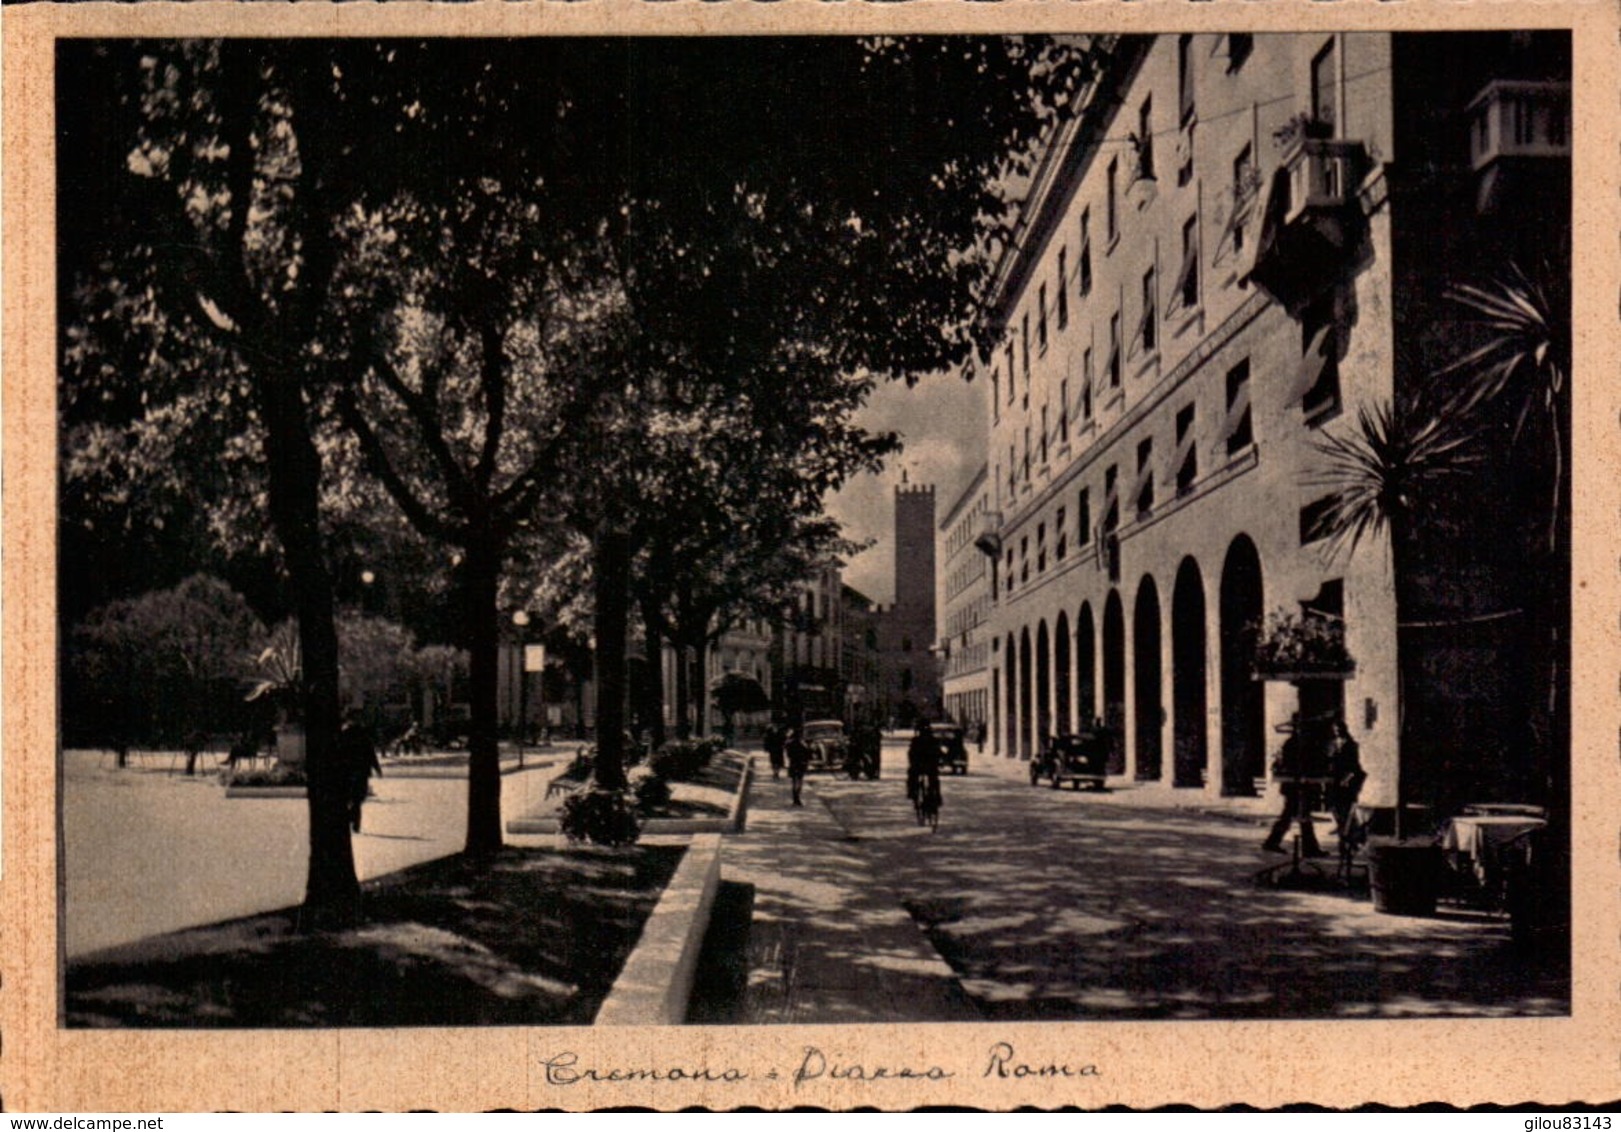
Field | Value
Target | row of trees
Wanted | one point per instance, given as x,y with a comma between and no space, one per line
607,306
194,659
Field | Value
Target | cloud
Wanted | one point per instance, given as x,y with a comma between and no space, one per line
941,422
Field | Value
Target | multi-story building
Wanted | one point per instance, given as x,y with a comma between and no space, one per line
808,682
963,599
1234,249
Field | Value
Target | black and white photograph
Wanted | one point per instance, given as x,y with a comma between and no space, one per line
556,533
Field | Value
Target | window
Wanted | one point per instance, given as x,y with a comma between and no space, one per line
1148,331
1044,435
1240,433
1010,372
1041,317
1111,214
1325,88
1083,518
1026,453
1314,520
1145,139
1060,535
1041,548
1145,475
1187,283
1012,471
1024,559
1012,578
1085,271
1187,453
1063,411
1319,380
1024,342
996,394
1184,78
1111,500
1114,350
1239,46
1086,385
1244,188
1063,288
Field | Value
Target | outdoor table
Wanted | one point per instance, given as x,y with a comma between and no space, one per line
1476,843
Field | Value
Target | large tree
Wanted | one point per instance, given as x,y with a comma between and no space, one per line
739,206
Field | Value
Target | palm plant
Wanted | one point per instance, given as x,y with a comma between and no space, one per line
1520,367
1523,361
1386,475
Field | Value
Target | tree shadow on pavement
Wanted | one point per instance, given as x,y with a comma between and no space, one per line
1060,906
534,937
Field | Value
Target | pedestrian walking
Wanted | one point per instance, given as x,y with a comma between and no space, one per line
775,740
359,754
1298,764
923,776
1346,774
799,756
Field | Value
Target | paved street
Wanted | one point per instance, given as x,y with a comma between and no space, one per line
1034,904
149,851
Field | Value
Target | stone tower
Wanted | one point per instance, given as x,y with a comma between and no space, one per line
911,671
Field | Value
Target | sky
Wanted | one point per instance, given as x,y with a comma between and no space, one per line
941,422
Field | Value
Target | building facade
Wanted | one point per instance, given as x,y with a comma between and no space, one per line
963,598
1209,282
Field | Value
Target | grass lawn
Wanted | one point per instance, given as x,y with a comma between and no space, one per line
536,937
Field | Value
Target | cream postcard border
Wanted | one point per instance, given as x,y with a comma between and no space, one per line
1335,1063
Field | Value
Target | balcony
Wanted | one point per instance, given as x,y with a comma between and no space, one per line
1519,146
1323,177
1314,226
1519,119
989,539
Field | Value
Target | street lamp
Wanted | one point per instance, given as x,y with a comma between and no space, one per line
521,620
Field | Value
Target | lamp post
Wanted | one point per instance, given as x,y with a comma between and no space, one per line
521,620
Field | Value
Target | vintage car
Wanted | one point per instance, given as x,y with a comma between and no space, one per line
1076,759
829,745
953,751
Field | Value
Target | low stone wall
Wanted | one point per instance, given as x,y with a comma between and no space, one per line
733,822
656,983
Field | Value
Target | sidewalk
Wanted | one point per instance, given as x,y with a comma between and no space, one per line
826,943
1032,904
1259,809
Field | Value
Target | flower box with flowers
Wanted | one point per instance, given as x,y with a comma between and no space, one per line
1293,646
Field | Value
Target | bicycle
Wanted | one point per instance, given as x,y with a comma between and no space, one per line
925,794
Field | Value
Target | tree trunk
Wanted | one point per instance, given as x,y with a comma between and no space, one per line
683,690
654,707
481,577
331,891
700,684
612,561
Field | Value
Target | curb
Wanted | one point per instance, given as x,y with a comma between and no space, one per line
266,792
656,983
1124,791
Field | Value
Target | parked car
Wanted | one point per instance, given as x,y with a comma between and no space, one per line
953,751
829,745
1076,759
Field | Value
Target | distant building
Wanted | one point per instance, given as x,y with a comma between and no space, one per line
963,598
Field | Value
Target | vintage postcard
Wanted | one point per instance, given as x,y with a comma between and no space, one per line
845,556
